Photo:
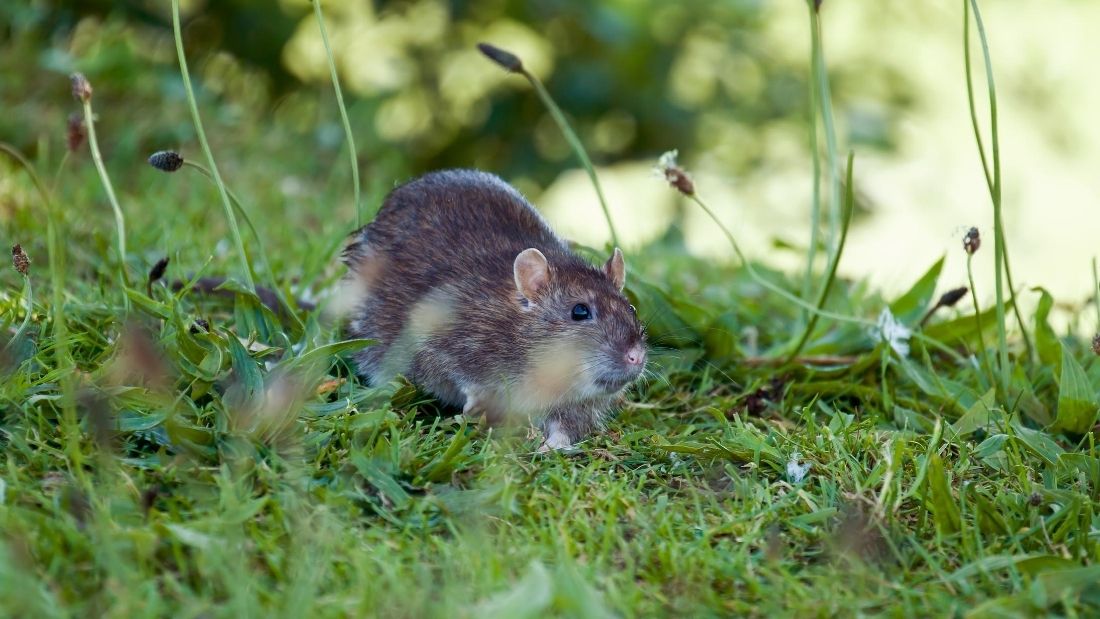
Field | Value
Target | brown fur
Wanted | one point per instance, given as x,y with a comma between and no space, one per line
440,296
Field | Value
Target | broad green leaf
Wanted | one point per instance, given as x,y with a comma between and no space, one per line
965,327
133,421
991,446
1076,399
1083,463
989,516
1046,342
1038,442
909,307
327,351
249,378
1022,392
150,306
977,416
959,396
944,508
381,480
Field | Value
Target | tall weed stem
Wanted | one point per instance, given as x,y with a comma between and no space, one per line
120,221
824,101
763,281
1002,271
834,261
261,250
28,301
578,148
815,158
512,63
197,119
352,154
65,366
978,320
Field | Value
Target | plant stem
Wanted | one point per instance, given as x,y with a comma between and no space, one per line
352,153
993,182
28,300
70,428
760,279
978,319
825,100
575,143
815,157
1096,293
834,261
120,222
259,241
60,169
206,147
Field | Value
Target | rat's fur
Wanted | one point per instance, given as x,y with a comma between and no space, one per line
443,294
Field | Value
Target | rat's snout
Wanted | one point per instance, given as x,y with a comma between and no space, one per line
634,356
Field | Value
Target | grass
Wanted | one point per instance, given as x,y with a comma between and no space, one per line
201,455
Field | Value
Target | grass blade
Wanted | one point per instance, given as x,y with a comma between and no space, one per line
353,157
197,119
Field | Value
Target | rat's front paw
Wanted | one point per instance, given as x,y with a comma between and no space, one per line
555,438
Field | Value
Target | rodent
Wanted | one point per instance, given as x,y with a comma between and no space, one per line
471,296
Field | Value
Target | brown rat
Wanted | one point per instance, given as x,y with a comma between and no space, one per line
473,298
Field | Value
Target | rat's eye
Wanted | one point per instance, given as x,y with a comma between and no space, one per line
580,312
633,310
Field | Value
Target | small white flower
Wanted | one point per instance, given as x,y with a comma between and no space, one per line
892,332
666,160
797,472
674,175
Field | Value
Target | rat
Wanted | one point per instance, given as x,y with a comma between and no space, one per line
470,295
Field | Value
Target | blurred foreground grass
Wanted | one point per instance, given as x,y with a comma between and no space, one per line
205,455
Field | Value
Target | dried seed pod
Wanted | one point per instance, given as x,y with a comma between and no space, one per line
972,241
82,88
77,133
674,174
166,160
507,60
158,269
951,297
20,260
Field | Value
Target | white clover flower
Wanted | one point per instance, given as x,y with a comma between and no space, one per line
797,472
892,332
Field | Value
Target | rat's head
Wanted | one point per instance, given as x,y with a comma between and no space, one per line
589,340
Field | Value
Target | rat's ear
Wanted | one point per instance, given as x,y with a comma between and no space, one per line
615,267
531,271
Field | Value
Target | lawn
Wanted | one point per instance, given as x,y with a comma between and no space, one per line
800,446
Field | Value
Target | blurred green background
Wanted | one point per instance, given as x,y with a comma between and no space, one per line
723,82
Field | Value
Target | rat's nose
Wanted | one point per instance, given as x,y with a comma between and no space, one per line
634,356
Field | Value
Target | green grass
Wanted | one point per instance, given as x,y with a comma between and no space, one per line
241,470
